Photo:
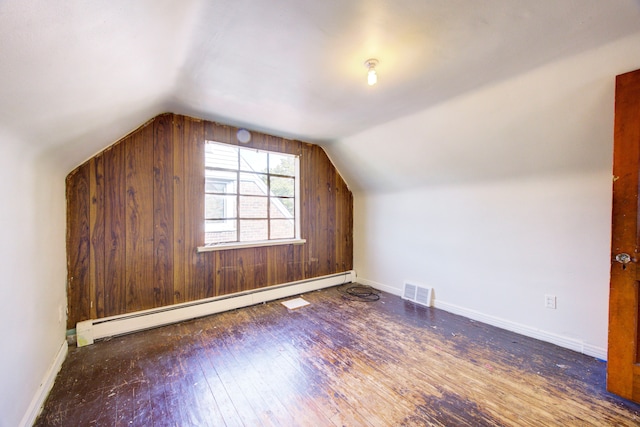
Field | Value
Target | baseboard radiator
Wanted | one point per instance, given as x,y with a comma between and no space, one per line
90,330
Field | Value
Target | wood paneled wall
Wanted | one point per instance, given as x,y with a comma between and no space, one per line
135,217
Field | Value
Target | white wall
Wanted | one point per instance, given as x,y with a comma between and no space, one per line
498,197
32,274
493,250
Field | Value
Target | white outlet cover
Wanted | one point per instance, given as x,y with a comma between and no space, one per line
550,301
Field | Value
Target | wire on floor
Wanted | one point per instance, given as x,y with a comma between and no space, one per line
357,292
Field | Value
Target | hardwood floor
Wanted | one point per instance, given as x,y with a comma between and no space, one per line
335,362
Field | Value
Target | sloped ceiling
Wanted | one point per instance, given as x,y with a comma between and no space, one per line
77,75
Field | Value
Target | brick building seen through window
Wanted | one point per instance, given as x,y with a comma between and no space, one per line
250,195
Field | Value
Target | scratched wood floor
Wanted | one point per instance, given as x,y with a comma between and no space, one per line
333,363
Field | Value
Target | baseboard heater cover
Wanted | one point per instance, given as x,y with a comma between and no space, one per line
90,330
418,293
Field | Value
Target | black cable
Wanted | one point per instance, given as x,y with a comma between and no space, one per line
357,292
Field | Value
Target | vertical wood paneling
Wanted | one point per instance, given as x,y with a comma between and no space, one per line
78,248
96,188
297,268
344,217
339,224
210,272
179,207
222,133
139,224
311,210
163,210
259,268
194,136
277,261
291,263
228,273
349,235
135,219
115,202
246,266
233,271
331,207
321,209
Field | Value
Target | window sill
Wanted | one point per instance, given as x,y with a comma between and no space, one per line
240,245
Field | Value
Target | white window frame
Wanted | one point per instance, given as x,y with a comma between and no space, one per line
274,242
223,225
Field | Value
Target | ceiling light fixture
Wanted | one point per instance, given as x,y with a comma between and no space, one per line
372,76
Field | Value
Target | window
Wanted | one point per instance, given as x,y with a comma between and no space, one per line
218,207
251,196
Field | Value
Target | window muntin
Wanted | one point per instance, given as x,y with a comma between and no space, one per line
250,195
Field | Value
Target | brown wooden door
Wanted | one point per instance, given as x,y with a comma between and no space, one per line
623,366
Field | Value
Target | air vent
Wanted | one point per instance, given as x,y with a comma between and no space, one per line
409,291
417,293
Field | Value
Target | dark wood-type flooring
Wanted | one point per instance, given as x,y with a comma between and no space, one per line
335,362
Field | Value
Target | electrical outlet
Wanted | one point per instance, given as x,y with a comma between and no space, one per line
550,301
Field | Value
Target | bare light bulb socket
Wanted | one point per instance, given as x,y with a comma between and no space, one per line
372,75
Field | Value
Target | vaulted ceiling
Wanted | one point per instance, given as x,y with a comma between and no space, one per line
77,75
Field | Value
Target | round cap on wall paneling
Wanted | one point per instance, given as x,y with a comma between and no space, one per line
243,136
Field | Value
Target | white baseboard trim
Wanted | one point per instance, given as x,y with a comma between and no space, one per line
45,387
90,330
380,286
595,351
559,340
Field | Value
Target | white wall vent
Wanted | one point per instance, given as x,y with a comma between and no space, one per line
417,293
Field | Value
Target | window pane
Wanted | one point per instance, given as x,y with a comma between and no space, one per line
253,184
221,156
282,186
253,160
282,164
213,186
253,207
282,229
252,230
282,208
216,185
218,207
224,236
249,193
211,225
